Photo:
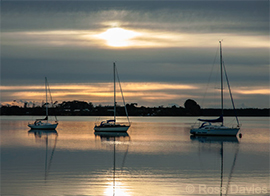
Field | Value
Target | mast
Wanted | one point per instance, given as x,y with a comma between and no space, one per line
221,78
114,110
46,99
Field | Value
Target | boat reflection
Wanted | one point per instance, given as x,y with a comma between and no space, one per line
117,138
220,140
214,139
111,135
46,134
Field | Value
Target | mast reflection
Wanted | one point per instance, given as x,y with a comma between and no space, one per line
221,140
117,138
45,134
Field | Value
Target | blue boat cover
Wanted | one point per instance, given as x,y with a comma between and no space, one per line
219,119
108,121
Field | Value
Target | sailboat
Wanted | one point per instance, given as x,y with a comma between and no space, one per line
44,124
111,125
218,128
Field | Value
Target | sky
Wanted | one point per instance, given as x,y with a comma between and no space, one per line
165,51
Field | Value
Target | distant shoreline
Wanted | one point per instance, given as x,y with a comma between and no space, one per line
82,108
137,111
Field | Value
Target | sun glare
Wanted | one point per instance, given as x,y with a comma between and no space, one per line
118,37
115,190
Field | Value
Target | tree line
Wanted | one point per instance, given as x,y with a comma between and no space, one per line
82,108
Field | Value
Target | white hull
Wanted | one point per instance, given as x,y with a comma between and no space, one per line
221,131
111,128
45,126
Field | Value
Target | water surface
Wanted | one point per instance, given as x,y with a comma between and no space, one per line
157,157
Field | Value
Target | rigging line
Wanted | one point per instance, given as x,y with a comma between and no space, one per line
200,158
221,174
122,95
47,112
125,156
227,79
208,82
232,169
50,161
46,140
51,98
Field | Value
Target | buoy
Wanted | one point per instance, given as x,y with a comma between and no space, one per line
240,135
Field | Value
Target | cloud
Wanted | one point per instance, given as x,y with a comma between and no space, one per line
212,16
175,43
143,93
130,39
254,91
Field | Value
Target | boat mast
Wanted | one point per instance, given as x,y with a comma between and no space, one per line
46,99
221,77
114,110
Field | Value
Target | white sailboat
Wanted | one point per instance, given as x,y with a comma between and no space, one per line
217,128
44,124
111,125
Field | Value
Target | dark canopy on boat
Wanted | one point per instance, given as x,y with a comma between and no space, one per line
107,121
46,118
220,119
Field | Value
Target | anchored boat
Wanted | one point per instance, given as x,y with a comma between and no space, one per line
44,124
216,126
111,125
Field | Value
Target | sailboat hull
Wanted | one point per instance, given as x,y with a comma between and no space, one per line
217,131
121,128
44,126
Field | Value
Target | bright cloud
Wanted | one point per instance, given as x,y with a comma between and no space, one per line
102,93
141,38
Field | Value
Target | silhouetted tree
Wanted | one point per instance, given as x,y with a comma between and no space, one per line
192,107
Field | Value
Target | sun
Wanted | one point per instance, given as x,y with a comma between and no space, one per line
118,37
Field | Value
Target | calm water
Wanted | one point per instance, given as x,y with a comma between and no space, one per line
157,157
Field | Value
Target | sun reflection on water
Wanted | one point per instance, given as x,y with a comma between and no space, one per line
115,190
